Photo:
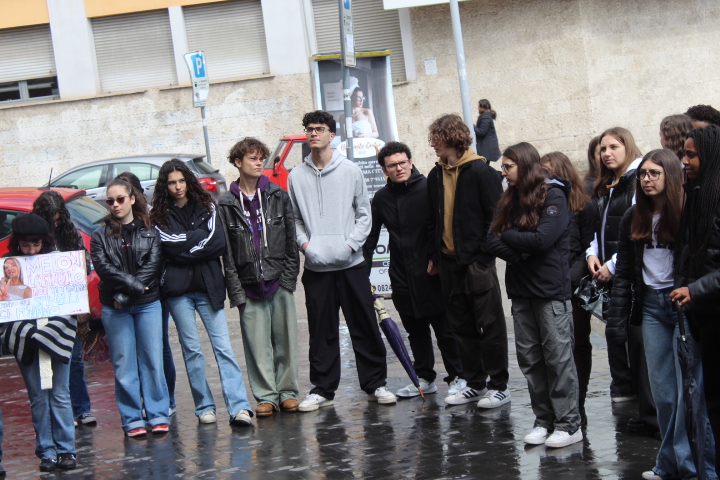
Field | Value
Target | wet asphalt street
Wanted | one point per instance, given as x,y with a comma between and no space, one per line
352,439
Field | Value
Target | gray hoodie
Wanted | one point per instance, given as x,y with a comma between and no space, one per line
332,213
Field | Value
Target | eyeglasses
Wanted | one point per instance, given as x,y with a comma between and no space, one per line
507,166
362,99
111,201
402,164
651,174
310,130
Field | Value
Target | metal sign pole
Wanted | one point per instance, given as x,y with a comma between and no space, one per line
201,87
462,68
348,60
205,132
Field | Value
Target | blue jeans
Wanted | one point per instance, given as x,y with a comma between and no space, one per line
52,415
168,362
78,388
183,311
135,338
660,333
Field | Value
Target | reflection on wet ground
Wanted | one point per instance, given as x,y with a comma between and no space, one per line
352,439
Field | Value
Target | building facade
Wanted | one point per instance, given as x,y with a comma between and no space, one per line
82,80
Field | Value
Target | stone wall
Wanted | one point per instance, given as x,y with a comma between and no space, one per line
557,72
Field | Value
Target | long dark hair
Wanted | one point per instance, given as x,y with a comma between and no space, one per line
593,171
485,105
139,209
607,178
698,217
666,230
527,196
161,198
49,204
563,167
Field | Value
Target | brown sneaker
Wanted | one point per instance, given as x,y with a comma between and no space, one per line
290,405
264,410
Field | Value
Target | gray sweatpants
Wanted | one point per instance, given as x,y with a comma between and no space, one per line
544,343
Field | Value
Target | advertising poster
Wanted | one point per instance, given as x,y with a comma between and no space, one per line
41,286
372,125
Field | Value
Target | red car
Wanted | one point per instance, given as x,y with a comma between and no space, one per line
289,153
85,213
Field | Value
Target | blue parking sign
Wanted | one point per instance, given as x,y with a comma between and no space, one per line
198,63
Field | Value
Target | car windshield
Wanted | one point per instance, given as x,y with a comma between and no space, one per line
86,214
270,162
203,166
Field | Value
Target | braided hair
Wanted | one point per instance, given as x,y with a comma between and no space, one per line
699,215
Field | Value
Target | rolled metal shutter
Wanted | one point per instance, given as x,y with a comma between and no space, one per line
26,53
375,29
134,51
232,35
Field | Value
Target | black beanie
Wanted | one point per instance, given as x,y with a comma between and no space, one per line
30,225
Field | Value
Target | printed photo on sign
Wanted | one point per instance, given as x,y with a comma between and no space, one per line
41,286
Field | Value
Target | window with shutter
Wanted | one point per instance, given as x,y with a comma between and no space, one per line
232,35
134,51
375,29
27,65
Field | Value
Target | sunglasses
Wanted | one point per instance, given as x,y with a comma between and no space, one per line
111,201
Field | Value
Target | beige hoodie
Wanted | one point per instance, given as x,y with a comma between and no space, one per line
450,176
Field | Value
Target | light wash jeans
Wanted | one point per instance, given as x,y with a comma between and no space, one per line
660,334
269,332
183,310
543,341
135,338
78,387
51,410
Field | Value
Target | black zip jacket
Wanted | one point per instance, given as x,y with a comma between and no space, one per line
621,200
116,284
545,272
582,232
628,287
188,244
478,190
396,206
704,309
280,259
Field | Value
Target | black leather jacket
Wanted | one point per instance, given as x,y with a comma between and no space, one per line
116,284
280,259
620,201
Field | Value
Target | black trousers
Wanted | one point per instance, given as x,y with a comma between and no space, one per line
475,312
418,329
325,294
582,348
709,342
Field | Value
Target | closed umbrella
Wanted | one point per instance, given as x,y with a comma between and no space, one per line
694,408
394,338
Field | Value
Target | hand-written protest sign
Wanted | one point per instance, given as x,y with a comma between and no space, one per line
41,286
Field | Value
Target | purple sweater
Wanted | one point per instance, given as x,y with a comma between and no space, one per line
251,208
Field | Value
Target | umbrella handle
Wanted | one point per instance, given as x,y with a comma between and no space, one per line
681,321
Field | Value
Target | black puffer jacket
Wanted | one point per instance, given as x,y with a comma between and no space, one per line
704,309
620,200
545,273
628,286
582,232
186,245
396,206
280,259
478,190
116,284
487,140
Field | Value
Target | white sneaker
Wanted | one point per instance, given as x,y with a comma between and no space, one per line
314,401
466,395
208,417
243,418
456,385
651,475
562,439
626,398
383,396
412,391
537,436
494,398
